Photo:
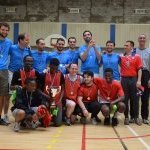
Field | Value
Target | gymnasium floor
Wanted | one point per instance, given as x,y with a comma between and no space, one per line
77,137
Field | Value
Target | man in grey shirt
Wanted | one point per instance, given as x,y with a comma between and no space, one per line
145,81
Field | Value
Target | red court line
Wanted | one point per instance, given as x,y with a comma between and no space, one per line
128,137
83,147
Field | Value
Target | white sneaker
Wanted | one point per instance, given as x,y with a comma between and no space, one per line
94,122
6,119
16,127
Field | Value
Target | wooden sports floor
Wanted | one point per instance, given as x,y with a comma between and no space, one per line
77,137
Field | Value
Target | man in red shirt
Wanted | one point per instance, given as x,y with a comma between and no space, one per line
110,95
131,73
87,99
72,85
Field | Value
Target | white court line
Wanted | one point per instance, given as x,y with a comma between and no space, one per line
140,139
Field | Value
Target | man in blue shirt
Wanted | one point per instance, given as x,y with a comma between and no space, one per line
18,51
111,60
61,55
73,51
5,44
39,56
89,54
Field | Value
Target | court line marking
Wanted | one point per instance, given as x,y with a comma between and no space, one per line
125,138
139,138
83,145
121,140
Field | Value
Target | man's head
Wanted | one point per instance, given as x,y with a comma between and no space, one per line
142,40
28,62
54,63
31,84
4,29
60,44
88,77
128,47
108,74
72,42
73,69
40,43
24,39
110,45
87,36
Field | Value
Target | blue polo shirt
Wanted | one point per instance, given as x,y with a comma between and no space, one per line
111,61
63,58
91,63
74,55
4,52
16,57
40,59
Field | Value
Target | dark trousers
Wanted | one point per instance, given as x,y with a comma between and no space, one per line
130,91
145,96
92,107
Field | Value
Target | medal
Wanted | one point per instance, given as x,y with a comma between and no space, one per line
71,92
88,98
108,98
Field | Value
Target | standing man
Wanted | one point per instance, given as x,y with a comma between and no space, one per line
17,53
89,54
145,81
39,56
61,55
111,60
73,51
131,73
5,44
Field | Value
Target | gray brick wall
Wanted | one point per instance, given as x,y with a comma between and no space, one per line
101,11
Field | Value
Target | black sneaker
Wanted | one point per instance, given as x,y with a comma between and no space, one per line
2,122
98,119
68,122
83,120
107,121
115,121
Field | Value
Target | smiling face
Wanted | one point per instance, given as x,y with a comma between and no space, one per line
142,40
60,45
72,43
109,47
41,45
87,37
4,31
73,69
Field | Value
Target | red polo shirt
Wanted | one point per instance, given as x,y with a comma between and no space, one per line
130,65
89,93
109,91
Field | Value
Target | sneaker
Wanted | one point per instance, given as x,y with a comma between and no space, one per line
98,119
6,119
126,121
138,121
132,120
94,121
107,121
73,119
2,122
146,121
115,121
35,124
16,127
83,120
67,121
27,124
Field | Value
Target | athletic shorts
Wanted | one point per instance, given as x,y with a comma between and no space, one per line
3,82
